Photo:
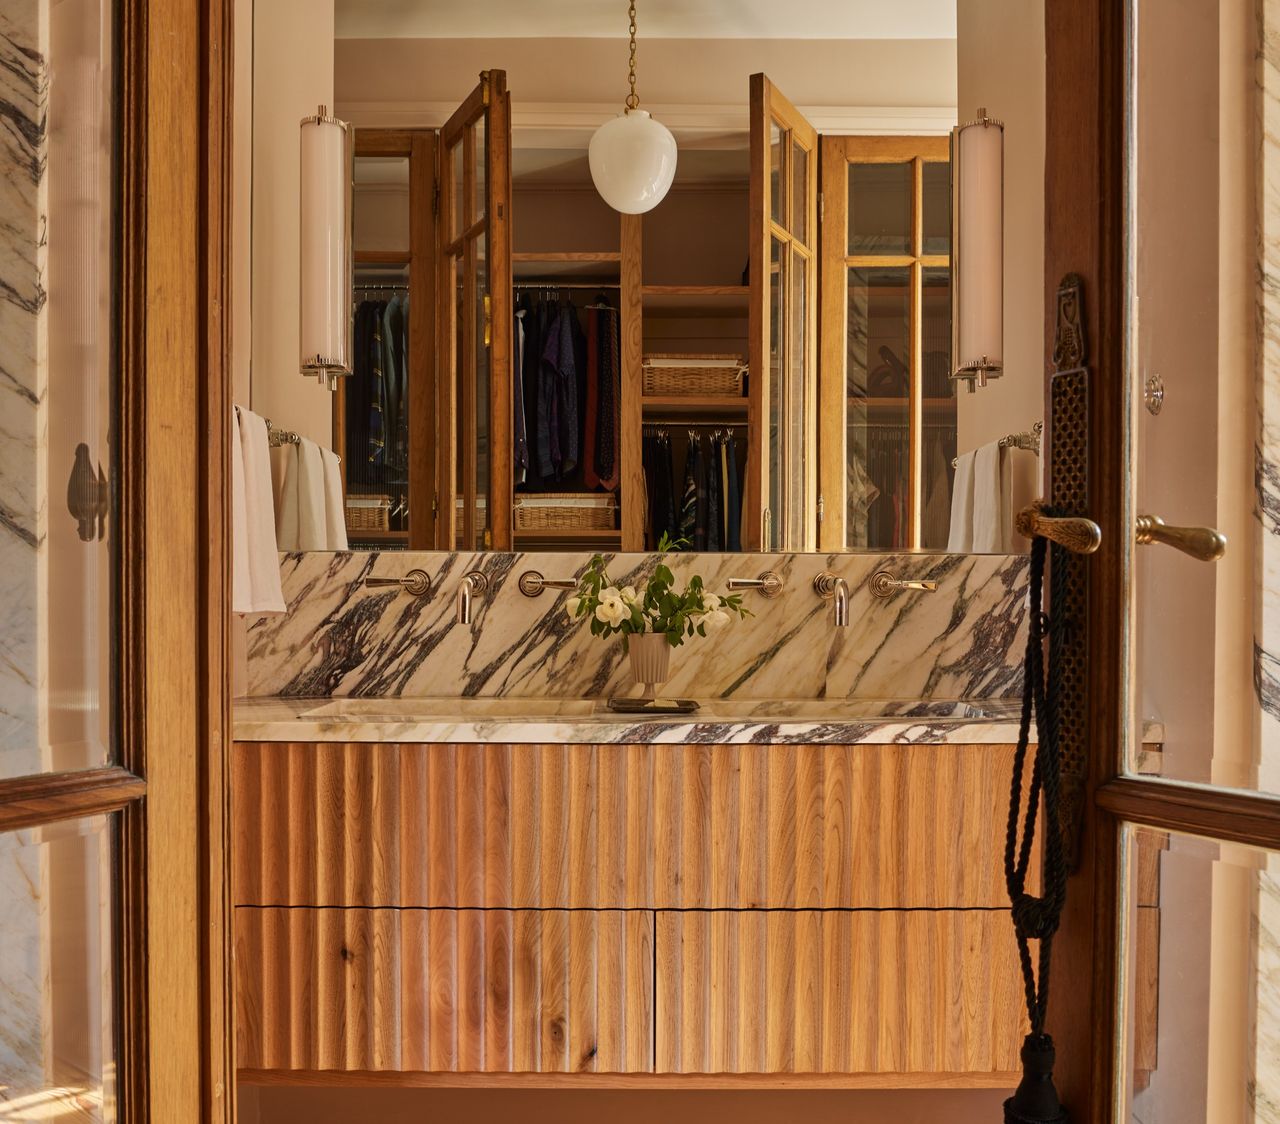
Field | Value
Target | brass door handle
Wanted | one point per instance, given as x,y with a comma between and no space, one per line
1077,534
1202,543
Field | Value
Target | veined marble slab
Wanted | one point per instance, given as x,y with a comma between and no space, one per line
590,722
340,637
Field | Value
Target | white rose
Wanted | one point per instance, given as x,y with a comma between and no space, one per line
710,602
715,620
628,594
610,593
572,607
611,611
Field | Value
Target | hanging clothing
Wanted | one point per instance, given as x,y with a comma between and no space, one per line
590,475
520,459
733,504
609,397
701,494
689,501
715,499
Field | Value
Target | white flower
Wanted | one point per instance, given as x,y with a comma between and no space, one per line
611,610
715,620
628,594
710,602
572,606
610,593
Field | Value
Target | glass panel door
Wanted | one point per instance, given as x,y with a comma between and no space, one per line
1199,924
886,471
475,469
782,472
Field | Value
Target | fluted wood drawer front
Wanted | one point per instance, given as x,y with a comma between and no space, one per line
620,827
838,992
444,990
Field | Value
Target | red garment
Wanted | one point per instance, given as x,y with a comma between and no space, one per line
589,476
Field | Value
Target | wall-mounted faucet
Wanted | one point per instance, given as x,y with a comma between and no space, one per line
532,583
829,587
885,583
473,584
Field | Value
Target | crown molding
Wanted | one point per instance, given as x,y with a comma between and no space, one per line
550,124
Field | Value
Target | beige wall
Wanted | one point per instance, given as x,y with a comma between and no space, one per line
292,75
1001,67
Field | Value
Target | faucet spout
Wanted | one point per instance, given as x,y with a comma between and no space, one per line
473,583
832,588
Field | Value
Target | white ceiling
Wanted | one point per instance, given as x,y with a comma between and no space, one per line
657,19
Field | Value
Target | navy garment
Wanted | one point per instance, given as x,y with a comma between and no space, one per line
560,385
518,414
733,500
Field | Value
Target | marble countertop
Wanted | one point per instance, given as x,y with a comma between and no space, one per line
509,720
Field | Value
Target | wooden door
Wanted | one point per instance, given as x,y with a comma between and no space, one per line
474,473
781,484
114,676
1160,196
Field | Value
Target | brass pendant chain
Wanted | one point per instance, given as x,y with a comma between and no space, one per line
633,101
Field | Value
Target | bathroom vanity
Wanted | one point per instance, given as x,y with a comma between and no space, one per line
777,893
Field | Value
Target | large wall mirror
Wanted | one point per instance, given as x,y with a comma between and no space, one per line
761,362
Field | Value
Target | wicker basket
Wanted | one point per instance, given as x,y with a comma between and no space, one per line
368,513
679,376
568,511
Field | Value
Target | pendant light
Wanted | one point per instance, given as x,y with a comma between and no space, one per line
326,271
977,251
633,157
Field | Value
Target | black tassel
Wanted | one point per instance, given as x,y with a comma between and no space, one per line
1035,1101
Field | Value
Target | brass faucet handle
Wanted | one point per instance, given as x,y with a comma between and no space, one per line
767,584
885,583
1077,534
1202,543
415,582
532,583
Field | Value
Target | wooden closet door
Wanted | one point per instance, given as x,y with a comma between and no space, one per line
474,322
781,481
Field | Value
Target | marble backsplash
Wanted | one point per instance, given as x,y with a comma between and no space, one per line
342,638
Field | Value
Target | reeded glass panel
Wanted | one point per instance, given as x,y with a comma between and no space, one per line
938,439
776,201
936,216
458,190
880,209
483,327
771,537
799,192
58,526
878,419
57,986
1201,1016
795,516
482,172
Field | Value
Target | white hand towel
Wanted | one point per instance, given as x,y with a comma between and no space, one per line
241,580
301,524
287,498
259,533
335,509
992,501
961,538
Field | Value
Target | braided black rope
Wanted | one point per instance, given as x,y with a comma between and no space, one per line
1037,918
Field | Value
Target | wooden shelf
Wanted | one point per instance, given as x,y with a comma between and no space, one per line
697,299
569,534
928,403
695,405
569,255
378,536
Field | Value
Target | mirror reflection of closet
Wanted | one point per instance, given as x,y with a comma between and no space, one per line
534,371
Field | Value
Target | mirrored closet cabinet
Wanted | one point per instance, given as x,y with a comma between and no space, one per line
758,363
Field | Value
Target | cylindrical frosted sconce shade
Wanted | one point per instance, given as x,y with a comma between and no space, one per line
977,251
327,164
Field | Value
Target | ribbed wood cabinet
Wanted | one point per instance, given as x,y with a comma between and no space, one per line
831,914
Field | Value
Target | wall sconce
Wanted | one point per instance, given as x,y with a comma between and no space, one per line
327,165
977,251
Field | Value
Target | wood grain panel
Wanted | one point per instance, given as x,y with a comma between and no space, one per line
837,991
621,827
492,991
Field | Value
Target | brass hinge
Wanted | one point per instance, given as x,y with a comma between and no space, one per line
822,508
435,506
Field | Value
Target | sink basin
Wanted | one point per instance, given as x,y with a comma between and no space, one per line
401,710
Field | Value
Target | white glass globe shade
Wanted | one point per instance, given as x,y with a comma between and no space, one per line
633,161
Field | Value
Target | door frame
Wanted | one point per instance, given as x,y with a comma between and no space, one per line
170,784
1087,113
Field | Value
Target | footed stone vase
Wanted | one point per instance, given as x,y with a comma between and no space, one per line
650,656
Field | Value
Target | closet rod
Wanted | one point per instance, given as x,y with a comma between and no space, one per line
380,288
685,423
566,285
